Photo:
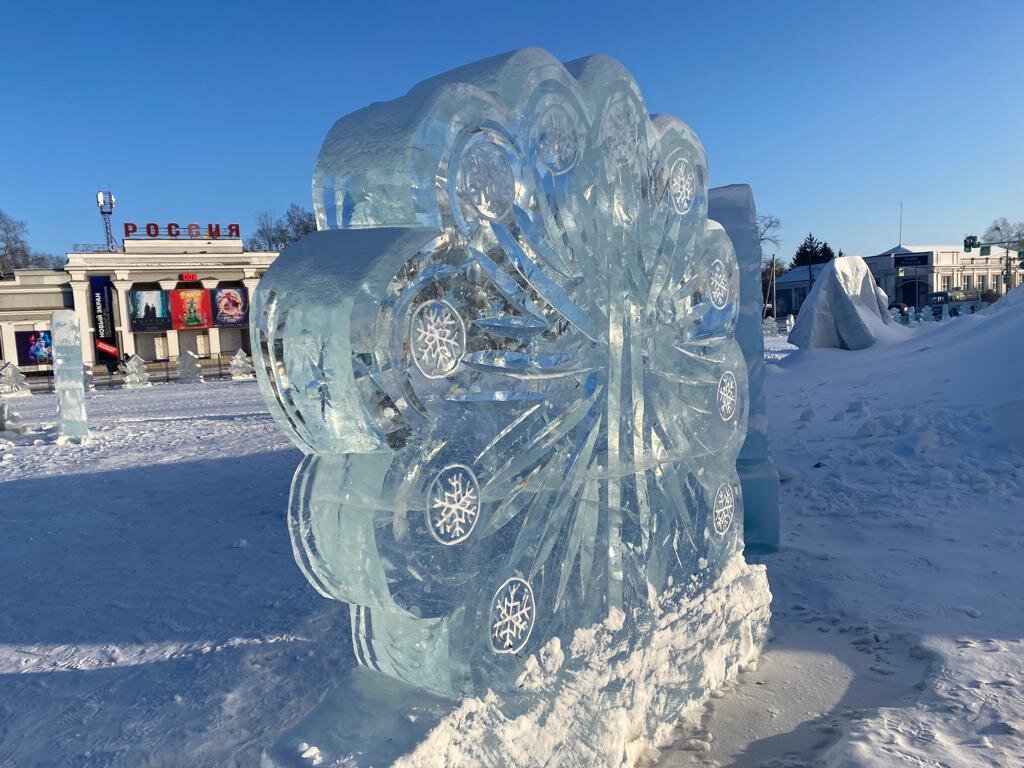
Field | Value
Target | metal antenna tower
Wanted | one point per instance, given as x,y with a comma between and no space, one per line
105,201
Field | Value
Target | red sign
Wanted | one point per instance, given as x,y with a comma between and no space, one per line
188,277
172,230
190,308
103,346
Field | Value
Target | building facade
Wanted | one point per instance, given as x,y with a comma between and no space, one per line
159,296
909,273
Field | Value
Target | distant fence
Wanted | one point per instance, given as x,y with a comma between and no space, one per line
214,367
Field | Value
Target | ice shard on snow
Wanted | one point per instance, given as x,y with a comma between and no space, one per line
67,374
509,357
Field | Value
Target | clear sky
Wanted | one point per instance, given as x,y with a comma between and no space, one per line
211,111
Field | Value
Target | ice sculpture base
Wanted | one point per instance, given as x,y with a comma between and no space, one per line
583,705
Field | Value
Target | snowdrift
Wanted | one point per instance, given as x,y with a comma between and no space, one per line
845,308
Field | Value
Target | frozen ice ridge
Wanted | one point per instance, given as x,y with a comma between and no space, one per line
509,357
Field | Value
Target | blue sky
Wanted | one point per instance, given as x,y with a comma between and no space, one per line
212,111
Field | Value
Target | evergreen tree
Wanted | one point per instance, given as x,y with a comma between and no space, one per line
807,253
812,251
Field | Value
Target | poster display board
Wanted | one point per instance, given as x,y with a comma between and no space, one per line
150,311
230,307
190,309
104,335
34,347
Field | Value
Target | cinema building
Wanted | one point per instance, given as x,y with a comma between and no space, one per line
167,290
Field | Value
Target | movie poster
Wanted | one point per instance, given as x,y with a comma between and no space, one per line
190,308
150,311
34,347
231,307
105,337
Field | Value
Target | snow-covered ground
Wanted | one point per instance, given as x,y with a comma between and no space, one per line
152,614
898,612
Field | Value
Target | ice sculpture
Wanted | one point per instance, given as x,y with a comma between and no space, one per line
12,382
241,368
845,308
67,374
87,379
510,360
10,421
790,322
770,327
733,207
135,373
190,371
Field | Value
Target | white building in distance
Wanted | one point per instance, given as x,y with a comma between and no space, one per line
908,273
167,290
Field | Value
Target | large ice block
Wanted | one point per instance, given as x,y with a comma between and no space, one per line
510,359
67,374
733,207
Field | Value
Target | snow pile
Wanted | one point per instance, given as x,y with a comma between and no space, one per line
845,308
897,614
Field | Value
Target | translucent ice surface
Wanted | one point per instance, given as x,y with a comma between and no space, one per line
509,356
241,368
189,369
135,373
67,374
13,382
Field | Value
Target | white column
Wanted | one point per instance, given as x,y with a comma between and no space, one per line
213,335
121,288
10,351
172,343
80,292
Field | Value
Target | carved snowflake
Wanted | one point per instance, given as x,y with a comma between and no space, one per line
557,142
513,613
719,285
485,178
619,133
683,184
454,505
439,338
727,396
724,509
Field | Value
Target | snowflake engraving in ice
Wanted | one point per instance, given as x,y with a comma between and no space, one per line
683,183
454,505
724,507
557,142
619,133
719,285
485,178
513,613
727,396
533,359
438,338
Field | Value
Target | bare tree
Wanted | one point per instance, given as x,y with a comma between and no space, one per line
14,250
1002,231
275,233
768,228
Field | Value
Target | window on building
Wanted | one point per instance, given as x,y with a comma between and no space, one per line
982,282
946,282
967,284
